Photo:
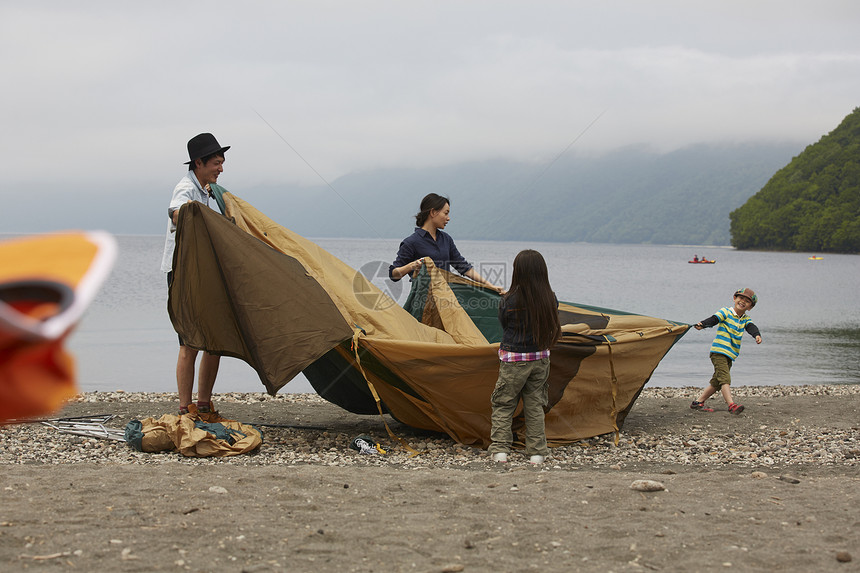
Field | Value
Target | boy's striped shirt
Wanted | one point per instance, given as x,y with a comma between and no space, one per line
729,332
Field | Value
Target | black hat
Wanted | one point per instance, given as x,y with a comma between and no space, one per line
203,145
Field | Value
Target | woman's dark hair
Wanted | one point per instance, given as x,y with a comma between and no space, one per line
535,299
429,203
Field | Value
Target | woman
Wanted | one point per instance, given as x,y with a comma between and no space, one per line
429,240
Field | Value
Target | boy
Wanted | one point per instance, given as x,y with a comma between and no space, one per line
726,346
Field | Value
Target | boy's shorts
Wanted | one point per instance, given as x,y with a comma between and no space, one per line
722,370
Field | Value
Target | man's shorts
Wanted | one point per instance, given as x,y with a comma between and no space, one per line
170,282
722,370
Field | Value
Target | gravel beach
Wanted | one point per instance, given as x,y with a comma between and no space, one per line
773,487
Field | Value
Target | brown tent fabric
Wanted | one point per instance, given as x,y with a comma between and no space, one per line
233,298
437,376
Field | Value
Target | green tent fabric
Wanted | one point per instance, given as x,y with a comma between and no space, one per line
247,287
481,304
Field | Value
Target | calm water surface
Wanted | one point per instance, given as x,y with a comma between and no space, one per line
808,311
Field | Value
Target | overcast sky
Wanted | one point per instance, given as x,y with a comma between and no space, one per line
101,97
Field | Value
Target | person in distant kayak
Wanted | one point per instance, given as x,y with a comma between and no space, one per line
732,321
429,240
206,163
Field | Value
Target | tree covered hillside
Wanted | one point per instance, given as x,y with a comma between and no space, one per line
813,203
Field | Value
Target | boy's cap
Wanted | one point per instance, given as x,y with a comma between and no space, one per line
749,293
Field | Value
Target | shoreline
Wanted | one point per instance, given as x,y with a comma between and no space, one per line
665,391
782,426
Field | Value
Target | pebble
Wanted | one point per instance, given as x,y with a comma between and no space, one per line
843,557
647,485
757,449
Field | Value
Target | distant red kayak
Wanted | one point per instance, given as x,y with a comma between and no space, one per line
703,262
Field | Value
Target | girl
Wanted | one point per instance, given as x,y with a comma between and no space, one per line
529,316
429,240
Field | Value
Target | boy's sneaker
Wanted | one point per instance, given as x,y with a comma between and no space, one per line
735,408
500,457
536,460
701,407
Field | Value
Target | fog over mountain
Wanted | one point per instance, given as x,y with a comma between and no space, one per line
387,100
632,195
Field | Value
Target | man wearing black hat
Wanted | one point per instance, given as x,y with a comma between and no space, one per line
206,162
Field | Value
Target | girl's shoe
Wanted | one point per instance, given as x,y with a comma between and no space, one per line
536,459
500,457
701,407
735,408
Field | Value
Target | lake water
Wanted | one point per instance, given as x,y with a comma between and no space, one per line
808,311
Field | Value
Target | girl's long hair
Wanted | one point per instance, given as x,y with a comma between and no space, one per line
534,298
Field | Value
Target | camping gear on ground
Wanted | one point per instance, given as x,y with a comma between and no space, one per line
194,435
46,284
89,426
365,445
284,305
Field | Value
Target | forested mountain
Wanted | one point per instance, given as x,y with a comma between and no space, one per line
811,204
632,195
